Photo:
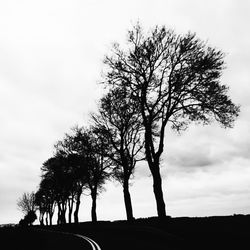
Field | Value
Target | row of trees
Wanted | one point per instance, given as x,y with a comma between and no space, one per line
87,157
78,164
160,79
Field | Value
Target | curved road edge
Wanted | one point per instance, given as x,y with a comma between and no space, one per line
93,244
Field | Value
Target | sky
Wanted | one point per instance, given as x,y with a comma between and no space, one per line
51,59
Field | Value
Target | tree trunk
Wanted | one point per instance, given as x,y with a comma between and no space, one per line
78,202
70,206
41,218
58,215
50,218
153,160
157,187
93,209
127,201
69,215
46,219
63,214
51,212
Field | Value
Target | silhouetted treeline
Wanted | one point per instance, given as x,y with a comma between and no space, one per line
161,79
78,165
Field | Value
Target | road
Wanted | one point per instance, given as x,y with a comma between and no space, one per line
111,237
90,237
90,241
93,244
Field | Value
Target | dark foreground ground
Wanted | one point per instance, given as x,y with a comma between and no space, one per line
227,232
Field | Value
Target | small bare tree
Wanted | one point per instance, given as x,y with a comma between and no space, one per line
27,203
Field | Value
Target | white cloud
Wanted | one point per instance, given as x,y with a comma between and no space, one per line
222,190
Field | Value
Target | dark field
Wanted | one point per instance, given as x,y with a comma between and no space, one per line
227,232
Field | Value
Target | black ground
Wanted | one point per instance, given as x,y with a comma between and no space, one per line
227,232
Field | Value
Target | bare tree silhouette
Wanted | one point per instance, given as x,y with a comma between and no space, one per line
118,123
55,170
71,147
45,199
27,205
87,163
175,80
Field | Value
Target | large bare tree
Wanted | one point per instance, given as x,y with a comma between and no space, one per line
175,80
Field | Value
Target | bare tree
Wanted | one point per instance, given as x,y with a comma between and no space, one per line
41,204
175,80
118,123
97,166
70,148
87,164
45,199
26,203
55,172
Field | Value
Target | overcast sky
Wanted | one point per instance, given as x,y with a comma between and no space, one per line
51,54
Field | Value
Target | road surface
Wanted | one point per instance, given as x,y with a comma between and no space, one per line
93,244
